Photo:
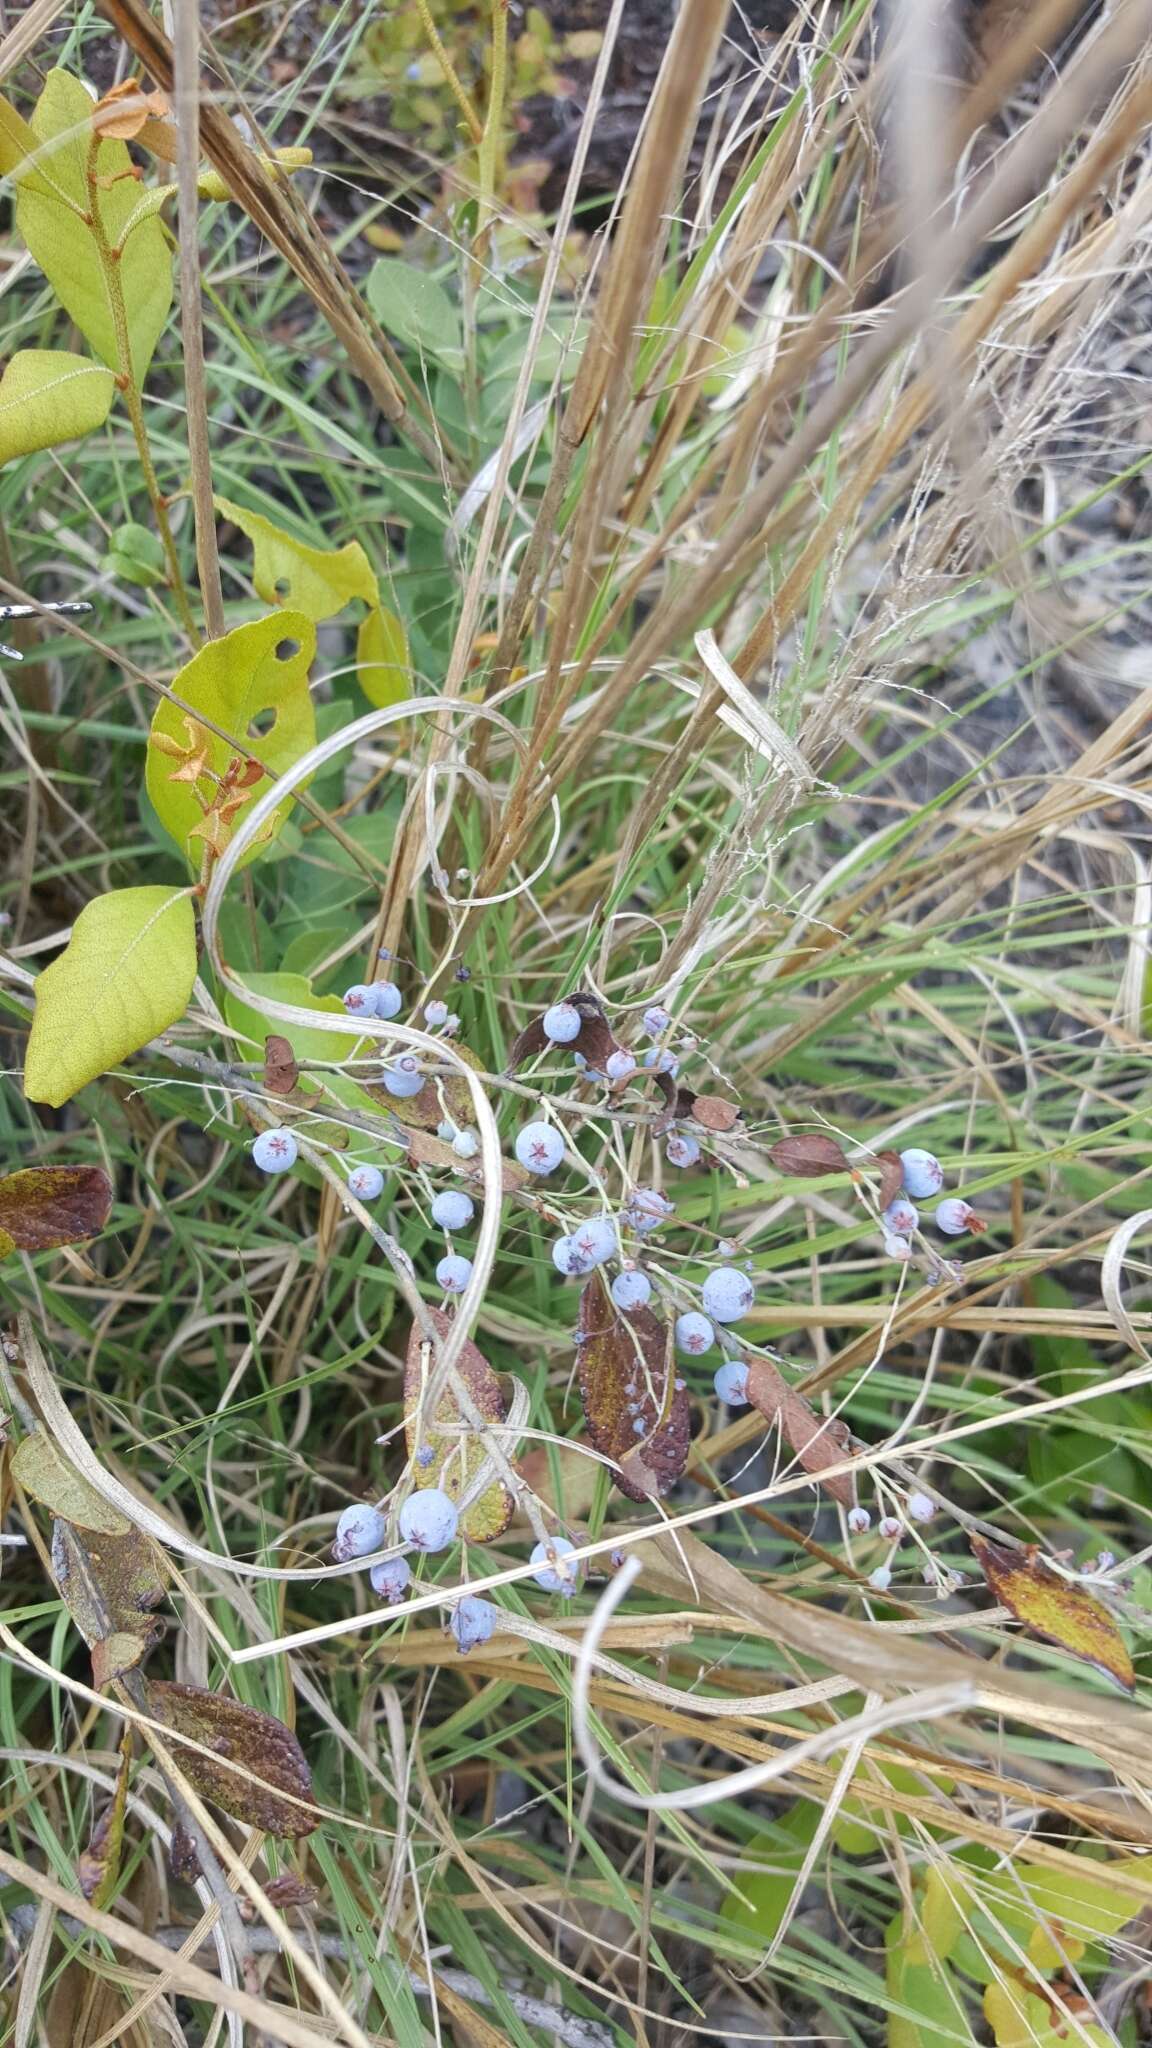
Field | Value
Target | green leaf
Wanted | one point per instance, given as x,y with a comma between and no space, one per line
48,396
18,149
316,581
415,308
382,661
125,975
305,1043
764,1893
135,555
52,215
253,684
44,1472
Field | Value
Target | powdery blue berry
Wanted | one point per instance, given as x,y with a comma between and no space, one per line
451,1024
446,1129
561,1023
465,1144
900,1218
731,1383
454,1273
424,1455
647,1209
274,1151
428,1520
681,1149
403,1078
554,1576
539,1147
473,1622
694,1333
921,1507
366,1183
727,1294
435,1014
656,1021
387,999
631,1290
859,1521
620,1064
897,1247
452,1209
360,1530
661,1060
891,1528
954,1217
360,1000
881,1578
594,1241
391,1578
923,1174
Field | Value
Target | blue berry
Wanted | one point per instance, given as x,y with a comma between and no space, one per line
387,999
451,1024
901,1217
561,1023
647,1209
428,1520
554,1576
620,1064
360,1530
881,1578
435,1014
731,1383
923,1174
424,1455
366,1183
454,1273
594,1241
568,1261
539,1147
661,1060
274,1151
465,1144
859,1521
452,1209
681,1149
897,1247
631,1290
727,1294
890,1527
954,1216
391,1578
920,1506
656,1021
473,1622
360,1000
404,1078
694,1333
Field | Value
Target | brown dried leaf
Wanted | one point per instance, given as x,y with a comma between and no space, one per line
626,1363
808,1154
45,1206
456,1459
531,1040
428,1150
891,1177
258,1773
595,1038
714,1112
281,1071
1062,1613
817,1442
113,1655
290,1890
109,1584
99,1864
127,108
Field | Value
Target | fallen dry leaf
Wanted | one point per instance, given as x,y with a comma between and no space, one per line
456,1459
1052,1607
808,1154
281,1071
636,1411
714,1112
45,1206
816,1441
891,1177
250,1746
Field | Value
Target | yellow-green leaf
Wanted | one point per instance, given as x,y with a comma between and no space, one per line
48,396
18,148
253,684
72,173
457,1457
44,1472
316,581
305,1043
1056,1609
382,664
125,975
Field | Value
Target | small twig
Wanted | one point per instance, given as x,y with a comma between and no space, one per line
186,60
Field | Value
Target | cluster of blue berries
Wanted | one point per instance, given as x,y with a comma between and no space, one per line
923,1179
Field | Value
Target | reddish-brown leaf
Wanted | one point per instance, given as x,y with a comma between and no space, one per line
594,1039
891,1177
44,1206
258,1771
1062,1613
628,1378
290,1890
183,1859
281,1071
456,1458
714,1112
817,1442
426,1149
808,1154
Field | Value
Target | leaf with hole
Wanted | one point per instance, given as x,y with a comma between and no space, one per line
48,396
316,581
120,302
638,1413
45,1206
125,975
458,1453
817,1440
1055,1609
253,685
258,1771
